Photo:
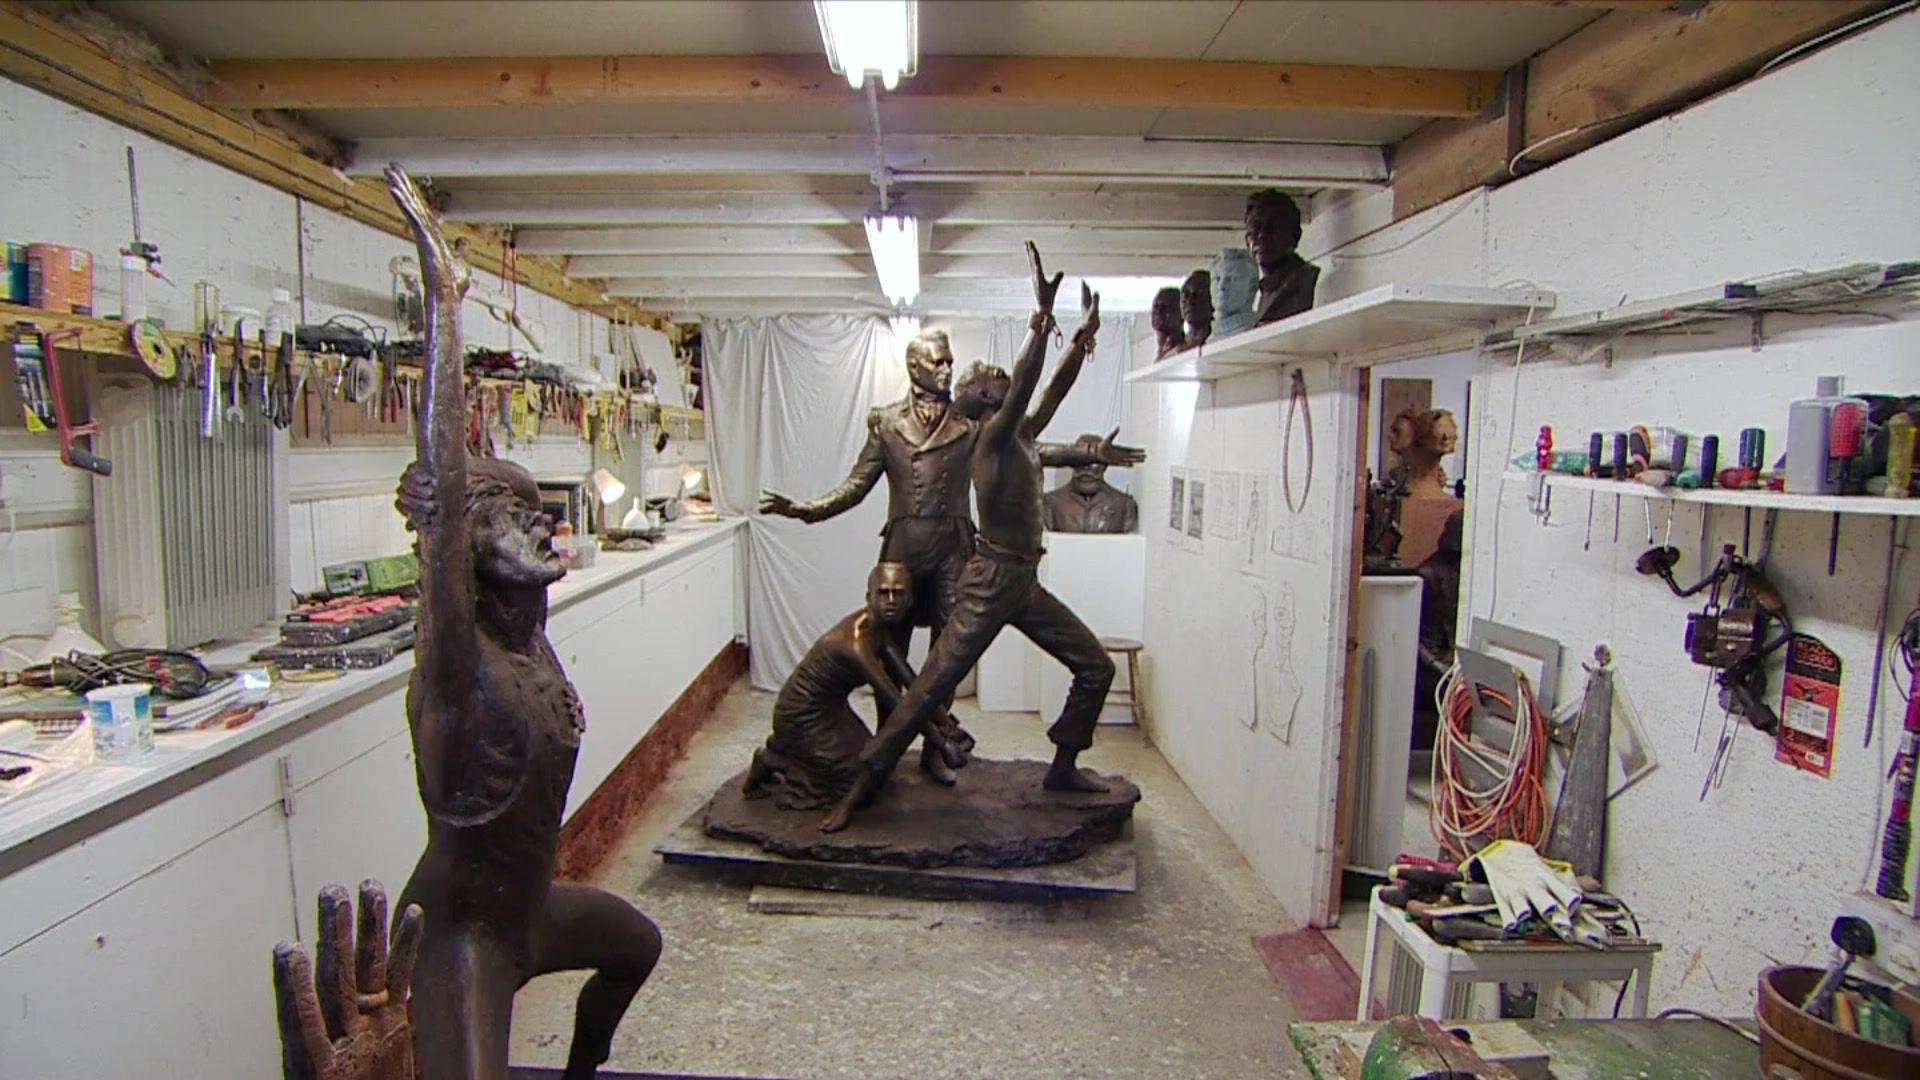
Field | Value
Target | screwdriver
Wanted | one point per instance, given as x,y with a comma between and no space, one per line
1843,442
1619,473
1594,444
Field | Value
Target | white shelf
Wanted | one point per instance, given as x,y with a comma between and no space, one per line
1752,500
1391,322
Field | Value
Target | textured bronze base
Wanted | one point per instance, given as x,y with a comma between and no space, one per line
997,816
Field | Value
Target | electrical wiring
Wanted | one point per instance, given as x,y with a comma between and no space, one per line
1514,805
1513,419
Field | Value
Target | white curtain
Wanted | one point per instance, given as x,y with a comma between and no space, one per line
787,401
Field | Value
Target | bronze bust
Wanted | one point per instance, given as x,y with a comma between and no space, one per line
1088,504
496,729
1168,334
1196,307
1286,280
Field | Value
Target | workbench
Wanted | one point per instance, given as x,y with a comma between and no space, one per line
1576,1049
153,893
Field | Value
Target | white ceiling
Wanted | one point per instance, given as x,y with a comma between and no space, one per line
1479,36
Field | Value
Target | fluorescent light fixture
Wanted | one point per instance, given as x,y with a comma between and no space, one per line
895,242
870,37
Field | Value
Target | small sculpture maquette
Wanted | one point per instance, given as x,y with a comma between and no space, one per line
1286,280
1420,438
1169,335
1000,585
496,728
1196,307
1087,503
813,756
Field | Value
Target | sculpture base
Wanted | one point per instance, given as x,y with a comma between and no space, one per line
998,815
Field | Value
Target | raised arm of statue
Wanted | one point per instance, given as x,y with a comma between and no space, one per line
867,469
1024,379
433,497
1070,364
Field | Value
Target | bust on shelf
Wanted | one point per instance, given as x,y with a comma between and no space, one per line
1087,503
1196,307
1420,438
1286,280
1168,334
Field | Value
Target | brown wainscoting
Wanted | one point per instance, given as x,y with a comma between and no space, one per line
594,831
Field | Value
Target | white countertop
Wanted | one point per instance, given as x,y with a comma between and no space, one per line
89,792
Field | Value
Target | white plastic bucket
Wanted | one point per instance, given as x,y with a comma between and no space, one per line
122,721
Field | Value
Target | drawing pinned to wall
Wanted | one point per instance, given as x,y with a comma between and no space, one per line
1225,492
1196,510
1253,523
1260,659
1290,535
1286,684
1177,506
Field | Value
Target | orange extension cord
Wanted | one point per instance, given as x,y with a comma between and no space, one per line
1464,818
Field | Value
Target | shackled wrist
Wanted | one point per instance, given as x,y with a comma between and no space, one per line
1041,322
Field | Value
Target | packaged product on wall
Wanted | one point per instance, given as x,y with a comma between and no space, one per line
13,287
60,278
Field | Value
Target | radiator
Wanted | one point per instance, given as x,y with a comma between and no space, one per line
185,540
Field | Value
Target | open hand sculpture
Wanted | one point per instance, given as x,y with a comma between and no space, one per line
348,1020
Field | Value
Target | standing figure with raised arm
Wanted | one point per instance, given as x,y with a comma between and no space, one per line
1000,584
496,728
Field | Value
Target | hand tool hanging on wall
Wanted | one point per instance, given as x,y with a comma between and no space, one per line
1737,630
1896,839
1843,443
71,454
237,377
1619,474
1297,403
30,368
209,386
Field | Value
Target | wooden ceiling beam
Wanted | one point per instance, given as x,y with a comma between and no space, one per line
39,52
1622,70
1030,80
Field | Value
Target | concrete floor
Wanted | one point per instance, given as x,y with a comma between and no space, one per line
1161,983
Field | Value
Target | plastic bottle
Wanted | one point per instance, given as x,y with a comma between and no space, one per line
279,316
67,636
133,287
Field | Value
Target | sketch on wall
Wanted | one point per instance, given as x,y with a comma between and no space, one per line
1177,507
1196,510
1224,488
1253,523
1287,689
1260,658
1290,534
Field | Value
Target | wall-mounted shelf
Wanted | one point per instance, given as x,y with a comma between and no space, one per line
1391,322
1752,500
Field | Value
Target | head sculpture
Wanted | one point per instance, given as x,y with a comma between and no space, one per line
1196,306
1236,283
930,362
512,535
1272,228
981,391
890,594
1164,317
1088,479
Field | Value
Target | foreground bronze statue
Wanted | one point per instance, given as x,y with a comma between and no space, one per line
813,755
1000,585
1286,280
496,728
1088,504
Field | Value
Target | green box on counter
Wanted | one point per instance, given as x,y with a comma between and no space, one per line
380,575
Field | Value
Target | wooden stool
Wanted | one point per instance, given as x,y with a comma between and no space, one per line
1132,649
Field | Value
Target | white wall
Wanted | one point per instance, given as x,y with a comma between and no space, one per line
1271,785
1810,167
64,180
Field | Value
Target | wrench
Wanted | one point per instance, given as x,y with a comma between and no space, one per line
236,378
210,387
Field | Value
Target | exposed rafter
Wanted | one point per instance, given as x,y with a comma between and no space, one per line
851,241
1039,80
912,158
947,206
1009,266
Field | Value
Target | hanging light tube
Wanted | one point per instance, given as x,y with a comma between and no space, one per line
870,37
894,239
